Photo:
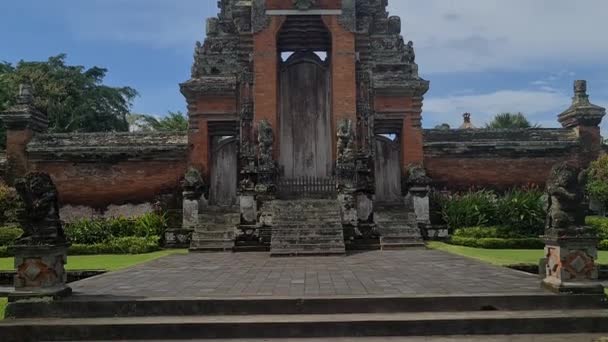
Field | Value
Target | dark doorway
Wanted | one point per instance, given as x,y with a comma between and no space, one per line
223,189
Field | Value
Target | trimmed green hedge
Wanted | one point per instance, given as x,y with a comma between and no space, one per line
498,243
99,230
488,232
125,245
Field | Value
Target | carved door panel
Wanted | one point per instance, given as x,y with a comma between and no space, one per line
388,170
305,117
223,188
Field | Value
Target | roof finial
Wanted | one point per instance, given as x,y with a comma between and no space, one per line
467,124
580,93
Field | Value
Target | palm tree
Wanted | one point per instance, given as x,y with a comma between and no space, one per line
173,122
510,121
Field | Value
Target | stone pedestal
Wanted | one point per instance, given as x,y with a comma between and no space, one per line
421,203
40,271
190,212
570,266
249,210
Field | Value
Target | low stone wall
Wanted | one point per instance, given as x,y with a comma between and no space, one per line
461,159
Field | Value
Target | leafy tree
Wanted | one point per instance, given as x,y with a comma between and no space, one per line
510,121
173,122
443,126
74,98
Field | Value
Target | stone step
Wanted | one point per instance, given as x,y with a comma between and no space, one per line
94,307
214,235
211,245
303,326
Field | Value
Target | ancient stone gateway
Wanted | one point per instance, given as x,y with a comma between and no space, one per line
302,68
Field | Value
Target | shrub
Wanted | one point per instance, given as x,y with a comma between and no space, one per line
150,224
498,243
88,231
487,232
99,230
9,234
9,204
470,209
603,245
597,185
123,245
600,225
522,211
4,253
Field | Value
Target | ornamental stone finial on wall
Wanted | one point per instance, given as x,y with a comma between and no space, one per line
304,4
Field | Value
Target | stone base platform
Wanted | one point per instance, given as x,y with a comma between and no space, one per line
253,296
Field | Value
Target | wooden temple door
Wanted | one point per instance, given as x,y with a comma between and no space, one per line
224,166
305,117
388,169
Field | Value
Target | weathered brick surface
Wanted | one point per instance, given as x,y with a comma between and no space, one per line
16,143
503,173
100,184
199,144
216,105
265,61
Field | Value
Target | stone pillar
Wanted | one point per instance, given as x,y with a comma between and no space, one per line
190,210
22,121
585,118
571,247
420,199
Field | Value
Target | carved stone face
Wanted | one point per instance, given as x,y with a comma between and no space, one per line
304,4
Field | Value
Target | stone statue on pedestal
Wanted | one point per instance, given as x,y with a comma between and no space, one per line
39,216
41,252
570,246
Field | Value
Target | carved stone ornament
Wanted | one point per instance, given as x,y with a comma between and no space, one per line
193,184
39,216
304,4
565,201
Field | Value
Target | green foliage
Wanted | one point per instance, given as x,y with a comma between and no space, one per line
522,211
88,231
4,253
121,245
9,204
597,183
74,98
471,209
173,122
443,127
600,225
9,234
487,232
3,304
603,245
498,243
510,121
100,230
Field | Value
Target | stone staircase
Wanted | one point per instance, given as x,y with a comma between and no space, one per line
398,227
216,231
306,227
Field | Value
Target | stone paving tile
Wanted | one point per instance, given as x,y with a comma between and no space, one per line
375,273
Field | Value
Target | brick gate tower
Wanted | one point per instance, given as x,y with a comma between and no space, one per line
304,99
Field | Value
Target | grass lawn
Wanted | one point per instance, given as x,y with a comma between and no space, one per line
105,262
501,256
3,303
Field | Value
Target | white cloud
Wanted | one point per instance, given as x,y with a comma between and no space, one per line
534,103
474,35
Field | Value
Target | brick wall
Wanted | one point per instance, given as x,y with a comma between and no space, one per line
101,184
500,173
16,142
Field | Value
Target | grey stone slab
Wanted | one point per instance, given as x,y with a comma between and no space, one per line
415,272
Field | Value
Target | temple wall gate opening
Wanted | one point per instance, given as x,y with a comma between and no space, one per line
305,117
388,169
223,187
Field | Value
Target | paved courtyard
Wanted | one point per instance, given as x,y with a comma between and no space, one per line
375,273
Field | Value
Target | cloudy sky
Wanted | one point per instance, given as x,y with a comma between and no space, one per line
481,56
